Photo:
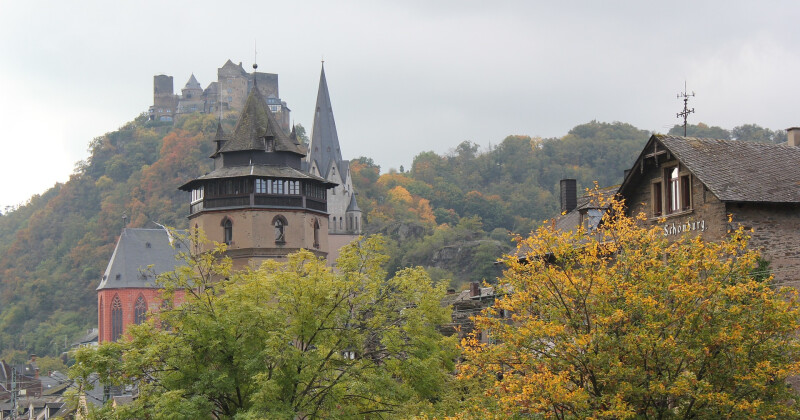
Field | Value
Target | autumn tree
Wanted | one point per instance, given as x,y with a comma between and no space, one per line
294,340
622,322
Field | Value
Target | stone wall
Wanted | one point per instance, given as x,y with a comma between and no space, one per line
776,227
776,234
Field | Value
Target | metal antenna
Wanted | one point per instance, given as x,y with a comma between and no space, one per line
686,111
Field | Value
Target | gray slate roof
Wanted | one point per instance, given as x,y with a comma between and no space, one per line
740,171
192,83
324,147
136,250
353,206
270,171
256,122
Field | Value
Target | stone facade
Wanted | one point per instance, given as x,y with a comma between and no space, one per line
731,184
254,234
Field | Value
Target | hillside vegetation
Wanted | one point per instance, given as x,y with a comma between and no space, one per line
450,213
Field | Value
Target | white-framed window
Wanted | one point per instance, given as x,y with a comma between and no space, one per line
294,187
672,192
197,194
261,186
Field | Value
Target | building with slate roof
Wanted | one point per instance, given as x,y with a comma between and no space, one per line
128,290
325,160
691,186
227,93
258,199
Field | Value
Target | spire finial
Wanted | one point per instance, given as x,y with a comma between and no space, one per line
686,111
255,54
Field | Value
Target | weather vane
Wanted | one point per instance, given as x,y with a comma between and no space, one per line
686,111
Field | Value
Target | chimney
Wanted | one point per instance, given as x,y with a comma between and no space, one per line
793,135
569,195
474,289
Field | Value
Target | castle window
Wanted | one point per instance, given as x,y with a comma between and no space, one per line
316,233
280,223
197,194
116,318
277,186
140,310
227,231
261,186
294,187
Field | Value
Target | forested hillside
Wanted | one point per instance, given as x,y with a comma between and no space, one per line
450,213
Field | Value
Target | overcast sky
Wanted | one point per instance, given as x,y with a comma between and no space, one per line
404,76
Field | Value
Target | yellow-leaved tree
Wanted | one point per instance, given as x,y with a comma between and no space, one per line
622,322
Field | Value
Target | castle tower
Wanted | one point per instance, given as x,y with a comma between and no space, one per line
325,160
191,99
164,99
128,290
258,200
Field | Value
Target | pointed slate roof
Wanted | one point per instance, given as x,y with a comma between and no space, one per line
229,65
324,147
737,171
255,123
136,250
353,206
192,83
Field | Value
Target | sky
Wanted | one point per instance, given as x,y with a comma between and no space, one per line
404,76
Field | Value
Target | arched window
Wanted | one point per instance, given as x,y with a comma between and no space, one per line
100,327
280,223
116,318
341,223
316,233
227,231
140,310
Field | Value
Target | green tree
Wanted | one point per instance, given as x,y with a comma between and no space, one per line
623,323
288,340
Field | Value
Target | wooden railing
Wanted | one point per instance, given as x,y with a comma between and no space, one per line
258,200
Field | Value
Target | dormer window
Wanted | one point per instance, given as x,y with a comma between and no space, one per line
672,192
269,144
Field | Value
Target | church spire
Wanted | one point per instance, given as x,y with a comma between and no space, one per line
324,147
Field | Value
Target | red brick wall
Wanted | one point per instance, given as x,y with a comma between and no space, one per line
128,299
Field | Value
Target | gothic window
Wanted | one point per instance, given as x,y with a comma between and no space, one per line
100,326
140,310
116,318
341,223
227,231
316,233
279,223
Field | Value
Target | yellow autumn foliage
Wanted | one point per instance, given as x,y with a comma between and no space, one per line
622,322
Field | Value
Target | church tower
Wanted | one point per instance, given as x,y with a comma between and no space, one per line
258,199
325,160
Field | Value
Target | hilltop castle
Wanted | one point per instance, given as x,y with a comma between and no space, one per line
228,93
